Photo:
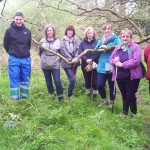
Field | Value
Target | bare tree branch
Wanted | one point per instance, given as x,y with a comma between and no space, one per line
3,8
84,12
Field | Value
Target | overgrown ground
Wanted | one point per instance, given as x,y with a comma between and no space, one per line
40,123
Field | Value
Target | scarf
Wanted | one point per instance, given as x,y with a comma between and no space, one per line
69,43
105,39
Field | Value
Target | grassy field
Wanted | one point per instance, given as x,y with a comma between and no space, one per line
41,123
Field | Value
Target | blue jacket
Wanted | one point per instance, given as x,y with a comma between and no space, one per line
85,44
17,41
104,56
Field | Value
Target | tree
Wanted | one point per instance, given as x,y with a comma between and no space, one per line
133,14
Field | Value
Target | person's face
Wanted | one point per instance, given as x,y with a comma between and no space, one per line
90,35
126,38
69,33
19,20
50,32
107,31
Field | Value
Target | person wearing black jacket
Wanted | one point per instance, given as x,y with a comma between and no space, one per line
90,75
17,43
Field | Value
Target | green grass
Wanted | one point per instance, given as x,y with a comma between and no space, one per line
45,124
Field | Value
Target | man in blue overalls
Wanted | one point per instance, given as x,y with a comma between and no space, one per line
17,42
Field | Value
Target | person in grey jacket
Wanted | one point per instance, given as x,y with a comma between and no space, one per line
69,49
49,62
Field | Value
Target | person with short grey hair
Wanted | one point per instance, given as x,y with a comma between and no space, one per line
127,59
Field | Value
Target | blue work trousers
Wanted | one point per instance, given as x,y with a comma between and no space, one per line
19,70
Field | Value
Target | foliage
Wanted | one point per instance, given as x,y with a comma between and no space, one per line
37,15
121,13
44,123
41,123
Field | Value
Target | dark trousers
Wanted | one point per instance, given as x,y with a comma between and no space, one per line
55,73
101,82
90,77
128,88
71,74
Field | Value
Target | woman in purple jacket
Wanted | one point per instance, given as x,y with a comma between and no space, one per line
126,58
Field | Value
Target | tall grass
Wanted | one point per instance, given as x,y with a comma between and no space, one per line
41,123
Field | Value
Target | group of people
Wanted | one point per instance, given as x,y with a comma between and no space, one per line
121,64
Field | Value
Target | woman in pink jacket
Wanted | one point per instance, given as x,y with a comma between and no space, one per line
126,59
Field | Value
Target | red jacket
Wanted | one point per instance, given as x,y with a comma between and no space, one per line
147,60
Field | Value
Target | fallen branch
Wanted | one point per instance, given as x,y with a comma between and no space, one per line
85,51
57,54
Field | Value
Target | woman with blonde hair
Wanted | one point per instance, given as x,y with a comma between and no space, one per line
89,42
49,62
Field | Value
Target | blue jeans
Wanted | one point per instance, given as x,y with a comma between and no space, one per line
56,76
71,74
101,82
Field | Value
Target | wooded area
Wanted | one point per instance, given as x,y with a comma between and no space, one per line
133,14
41,122
121,13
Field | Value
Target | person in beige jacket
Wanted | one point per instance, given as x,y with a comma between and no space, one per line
50,63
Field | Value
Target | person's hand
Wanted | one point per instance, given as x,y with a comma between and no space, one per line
89,61
117,59
75,60
94,65
111,70
88,68
103,46
118,64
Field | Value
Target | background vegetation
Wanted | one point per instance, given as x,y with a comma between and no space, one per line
42,123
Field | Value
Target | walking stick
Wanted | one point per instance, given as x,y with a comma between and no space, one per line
92,83
114,92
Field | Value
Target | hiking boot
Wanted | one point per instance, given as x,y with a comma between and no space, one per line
60,98
70,94
89,95
103,102
94,97
110,105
